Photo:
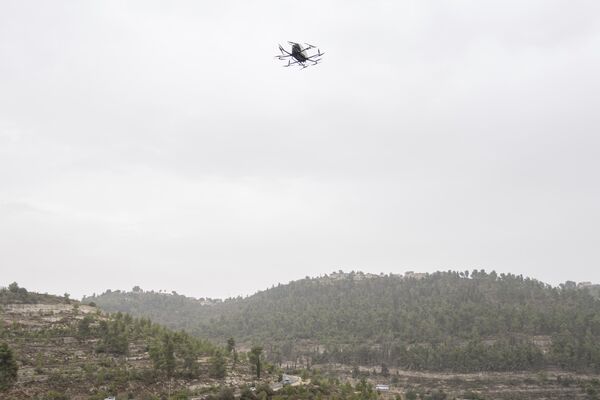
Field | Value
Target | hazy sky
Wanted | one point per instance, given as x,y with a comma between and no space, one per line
160,144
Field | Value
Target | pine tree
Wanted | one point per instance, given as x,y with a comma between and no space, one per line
8,367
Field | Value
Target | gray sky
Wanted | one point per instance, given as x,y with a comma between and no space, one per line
160,144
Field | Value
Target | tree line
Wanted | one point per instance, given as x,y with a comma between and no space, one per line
454,320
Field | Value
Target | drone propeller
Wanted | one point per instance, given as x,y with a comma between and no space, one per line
284,51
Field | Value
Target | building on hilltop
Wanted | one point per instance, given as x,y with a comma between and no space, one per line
415,275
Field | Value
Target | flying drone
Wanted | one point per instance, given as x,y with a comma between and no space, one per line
299,55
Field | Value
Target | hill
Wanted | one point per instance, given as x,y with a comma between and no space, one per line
455,321
57,348
14,294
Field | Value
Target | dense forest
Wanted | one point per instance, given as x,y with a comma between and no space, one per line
460,321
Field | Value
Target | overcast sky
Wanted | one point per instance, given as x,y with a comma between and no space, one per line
161,144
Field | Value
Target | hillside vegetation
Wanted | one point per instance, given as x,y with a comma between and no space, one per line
59,349
458,321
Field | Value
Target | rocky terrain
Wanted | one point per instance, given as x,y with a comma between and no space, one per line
62,354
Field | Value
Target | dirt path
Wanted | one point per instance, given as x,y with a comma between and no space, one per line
550,374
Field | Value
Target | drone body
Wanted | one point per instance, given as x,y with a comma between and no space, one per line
300,55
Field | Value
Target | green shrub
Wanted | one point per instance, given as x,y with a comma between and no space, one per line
54,395
8,367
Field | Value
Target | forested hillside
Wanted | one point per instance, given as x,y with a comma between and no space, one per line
170,309
443,321
55,348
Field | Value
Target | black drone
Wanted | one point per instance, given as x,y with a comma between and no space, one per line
300,55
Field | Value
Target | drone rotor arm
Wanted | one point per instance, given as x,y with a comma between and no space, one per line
315,55
284,51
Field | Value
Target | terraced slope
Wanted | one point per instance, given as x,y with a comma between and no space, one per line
66,350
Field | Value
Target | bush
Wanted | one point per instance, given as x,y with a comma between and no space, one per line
8,367
180,396
437,395
223,394
54,395
411,395
247,394
469,395
218,366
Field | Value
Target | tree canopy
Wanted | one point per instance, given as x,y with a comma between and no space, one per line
447,320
